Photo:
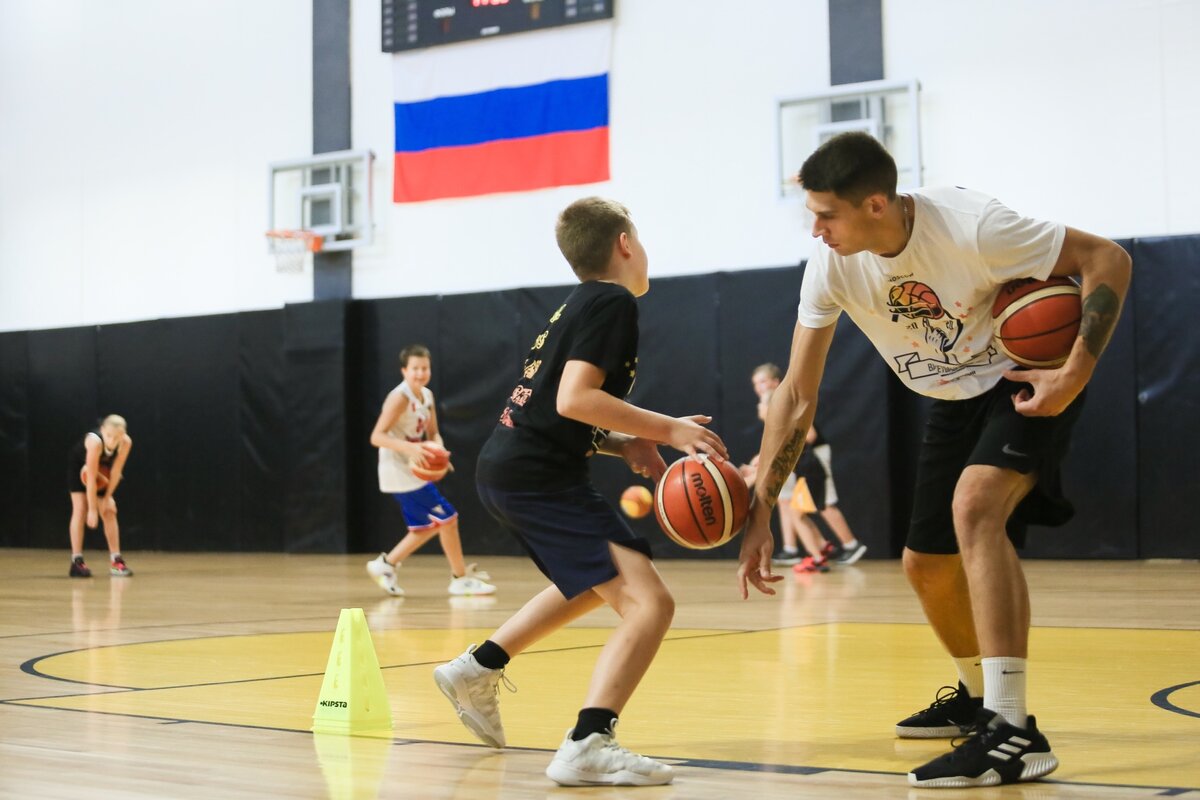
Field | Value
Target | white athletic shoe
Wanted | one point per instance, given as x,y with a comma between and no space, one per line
474,691
473,581
598,759
384,574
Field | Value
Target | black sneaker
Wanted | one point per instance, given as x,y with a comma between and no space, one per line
852,555
995,752
951,714
79,569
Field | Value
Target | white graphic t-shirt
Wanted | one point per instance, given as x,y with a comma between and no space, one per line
395,473
928,311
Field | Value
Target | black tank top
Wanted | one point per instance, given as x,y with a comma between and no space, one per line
107,457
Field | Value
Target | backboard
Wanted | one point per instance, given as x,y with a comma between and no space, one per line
328,194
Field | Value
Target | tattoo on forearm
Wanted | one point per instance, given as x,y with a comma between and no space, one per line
1100,310
782,466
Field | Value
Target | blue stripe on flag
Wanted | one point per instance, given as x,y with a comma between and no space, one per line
577,104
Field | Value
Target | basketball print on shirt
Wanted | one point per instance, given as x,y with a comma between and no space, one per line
930,322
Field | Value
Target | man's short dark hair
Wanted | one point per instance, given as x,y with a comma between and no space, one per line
853,166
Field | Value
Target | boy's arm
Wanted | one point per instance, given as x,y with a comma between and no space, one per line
789,419
1105,268
580,398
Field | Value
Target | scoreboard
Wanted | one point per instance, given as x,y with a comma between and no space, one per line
413,24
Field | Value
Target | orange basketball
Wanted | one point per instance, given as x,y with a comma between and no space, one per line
1035,323
636,501
701,504
437,462
101,477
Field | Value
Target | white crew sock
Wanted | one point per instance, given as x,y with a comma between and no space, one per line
970,672
1004,689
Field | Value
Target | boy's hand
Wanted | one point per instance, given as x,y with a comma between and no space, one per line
643,458
416,454
689,435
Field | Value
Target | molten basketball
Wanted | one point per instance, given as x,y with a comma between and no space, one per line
101,477
636,501
437,462
701,504
1035,323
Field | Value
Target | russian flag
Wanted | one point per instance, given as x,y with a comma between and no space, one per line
508,114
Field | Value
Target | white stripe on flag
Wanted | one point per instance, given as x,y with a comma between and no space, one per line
522,59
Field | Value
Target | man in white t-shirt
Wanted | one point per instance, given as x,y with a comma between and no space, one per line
918,274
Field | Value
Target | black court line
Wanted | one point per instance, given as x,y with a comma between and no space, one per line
1159,699
30,667
696,763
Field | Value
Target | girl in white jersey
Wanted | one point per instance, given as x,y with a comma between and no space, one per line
407,421
918,273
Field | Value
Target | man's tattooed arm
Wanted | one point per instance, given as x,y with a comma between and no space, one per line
1100,311
782,466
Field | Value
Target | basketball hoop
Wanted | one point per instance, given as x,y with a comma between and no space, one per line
291,248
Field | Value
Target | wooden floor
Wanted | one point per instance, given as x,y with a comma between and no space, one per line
197,678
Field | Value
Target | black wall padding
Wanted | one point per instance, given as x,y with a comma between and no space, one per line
315,507
1167,278
1100,471
262,461
15,438
131,364
251,430
63,405
484,339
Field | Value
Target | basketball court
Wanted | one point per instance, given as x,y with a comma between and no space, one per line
198,678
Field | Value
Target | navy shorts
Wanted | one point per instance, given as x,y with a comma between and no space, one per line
565,532
425,508
987,430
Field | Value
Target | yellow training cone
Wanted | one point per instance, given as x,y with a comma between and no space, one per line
353,701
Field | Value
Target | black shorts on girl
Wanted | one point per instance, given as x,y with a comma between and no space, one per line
987,430
566,532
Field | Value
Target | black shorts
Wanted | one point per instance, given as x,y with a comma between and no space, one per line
74,484
812,468
987,430
565,532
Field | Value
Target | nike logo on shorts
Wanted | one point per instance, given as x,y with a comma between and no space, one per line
1008,451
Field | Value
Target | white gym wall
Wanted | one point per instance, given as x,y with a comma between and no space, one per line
135,134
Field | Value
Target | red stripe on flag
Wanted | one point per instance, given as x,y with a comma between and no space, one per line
510,165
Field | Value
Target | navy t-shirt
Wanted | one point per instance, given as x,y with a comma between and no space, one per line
534,448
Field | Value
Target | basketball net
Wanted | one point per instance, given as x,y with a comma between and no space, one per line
291,248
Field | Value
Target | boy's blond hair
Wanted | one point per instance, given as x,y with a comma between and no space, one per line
586,231
768,369
114,421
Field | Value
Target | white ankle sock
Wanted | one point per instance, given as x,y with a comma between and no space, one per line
1004,688
970,672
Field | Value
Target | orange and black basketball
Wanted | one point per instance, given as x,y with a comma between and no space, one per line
1035,323
701,503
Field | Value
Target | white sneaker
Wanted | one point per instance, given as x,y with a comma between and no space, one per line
384,574
598,759
474,581
474,691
